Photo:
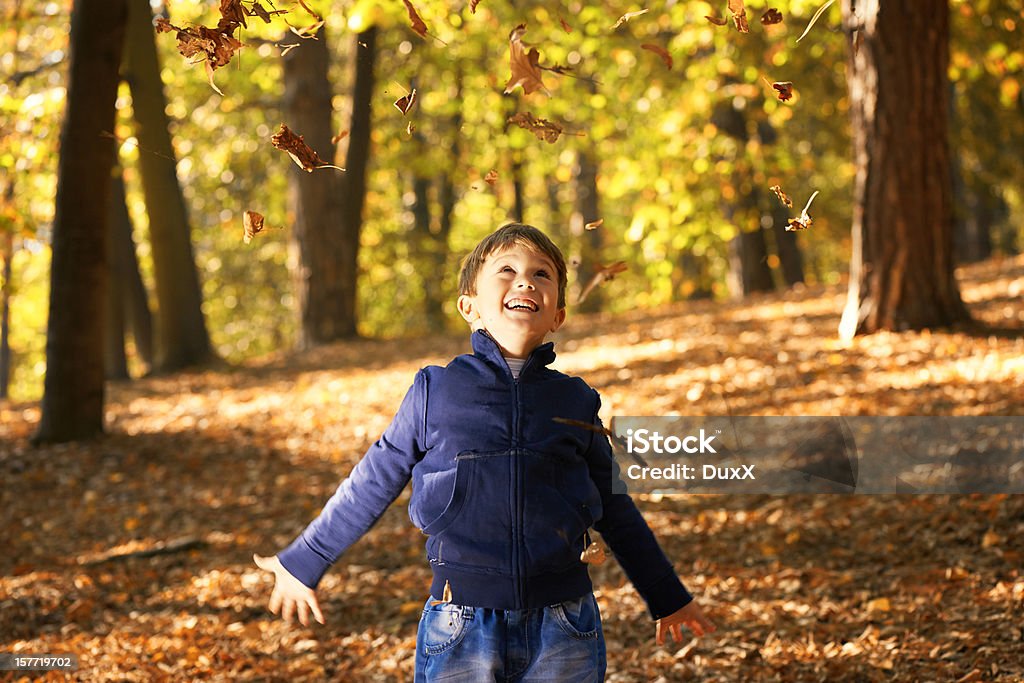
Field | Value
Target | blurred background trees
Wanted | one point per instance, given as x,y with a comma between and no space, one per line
676,162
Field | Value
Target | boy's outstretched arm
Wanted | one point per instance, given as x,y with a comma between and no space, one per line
691,616
290,594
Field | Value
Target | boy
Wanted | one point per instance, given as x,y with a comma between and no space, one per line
504,494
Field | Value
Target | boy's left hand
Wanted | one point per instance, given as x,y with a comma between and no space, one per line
690,616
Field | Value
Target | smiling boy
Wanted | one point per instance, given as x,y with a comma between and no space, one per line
505,494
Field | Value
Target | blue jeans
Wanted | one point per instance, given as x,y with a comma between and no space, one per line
562,643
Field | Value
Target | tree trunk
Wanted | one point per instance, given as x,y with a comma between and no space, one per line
134,299
184,340
790,258
588,242
748,263
901,273
115,361
72,405
357,160
316,200
5,316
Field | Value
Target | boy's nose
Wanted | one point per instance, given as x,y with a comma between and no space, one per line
523,282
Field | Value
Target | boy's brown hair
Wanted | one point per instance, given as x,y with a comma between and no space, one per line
504,237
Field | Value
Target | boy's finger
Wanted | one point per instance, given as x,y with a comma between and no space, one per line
659,634
315,606
275,601
289,610
677,633
303,613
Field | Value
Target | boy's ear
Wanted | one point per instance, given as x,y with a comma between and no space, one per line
467,309
559,319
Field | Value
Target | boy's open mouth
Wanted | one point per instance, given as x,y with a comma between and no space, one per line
521,305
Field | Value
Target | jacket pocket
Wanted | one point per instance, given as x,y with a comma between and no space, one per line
560,504
474,529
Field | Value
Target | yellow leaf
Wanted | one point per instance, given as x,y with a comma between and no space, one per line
879,605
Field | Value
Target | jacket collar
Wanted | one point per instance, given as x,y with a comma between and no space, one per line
488,349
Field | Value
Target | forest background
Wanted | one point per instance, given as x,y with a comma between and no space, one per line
673,159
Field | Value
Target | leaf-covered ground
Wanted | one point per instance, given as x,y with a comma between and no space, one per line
133,551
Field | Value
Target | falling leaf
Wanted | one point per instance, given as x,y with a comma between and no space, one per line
821,10
410,129
417,24
542,128
472,6
717,21
627,16
784,90
285,49
404,104
491,178
739,15
301,153
661,52
565,26
771,16
783,197
339,137
252,222
261,12
603,274
594,225
525,71
804,221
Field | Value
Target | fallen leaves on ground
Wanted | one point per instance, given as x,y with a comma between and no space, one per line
133,551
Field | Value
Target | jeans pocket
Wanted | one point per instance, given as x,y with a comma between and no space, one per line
580,618
443,626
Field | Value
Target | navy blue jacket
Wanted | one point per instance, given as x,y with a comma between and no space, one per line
503,493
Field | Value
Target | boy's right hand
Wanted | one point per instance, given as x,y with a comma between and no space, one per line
289,594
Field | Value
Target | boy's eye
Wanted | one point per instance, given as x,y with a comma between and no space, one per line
543,273
507,269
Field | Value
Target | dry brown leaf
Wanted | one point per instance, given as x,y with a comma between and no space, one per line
339,137
627,16
302,154
542,128
804,220
771,17
525,69
410,129
565,26
739,15
784,90
717,21
472,6
491,178
417,24
661,52
783,197
594,225
603,274
252,223
404,104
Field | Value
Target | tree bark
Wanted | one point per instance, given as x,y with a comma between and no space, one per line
115,361
901,272
134,299
184,340
328,207
73,393
748,263
5,316
587,210
787,247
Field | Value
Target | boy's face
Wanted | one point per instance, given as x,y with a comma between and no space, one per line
516,300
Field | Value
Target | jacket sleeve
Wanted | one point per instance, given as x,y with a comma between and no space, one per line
362,498
627,534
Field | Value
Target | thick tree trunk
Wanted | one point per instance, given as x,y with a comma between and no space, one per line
134,300
901,273
184,340
316,201
72,405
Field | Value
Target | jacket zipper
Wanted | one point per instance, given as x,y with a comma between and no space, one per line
517,489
